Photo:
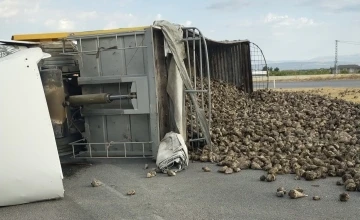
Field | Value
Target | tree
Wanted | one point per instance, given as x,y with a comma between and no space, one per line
267,68
277,69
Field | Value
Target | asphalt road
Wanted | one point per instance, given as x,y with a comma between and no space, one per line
192,194
317,84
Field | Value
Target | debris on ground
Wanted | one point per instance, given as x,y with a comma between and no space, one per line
297,177
295,194
206,169
237,169
262,178
270,178
131,193
280,194
344,197
299,189
350,185
345,177
96,183
222,169
316,198
171,173
299,133
281,189
146,166
229,170
339,183
151,174
172,153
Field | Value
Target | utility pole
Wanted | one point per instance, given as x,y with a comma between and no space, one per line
336,57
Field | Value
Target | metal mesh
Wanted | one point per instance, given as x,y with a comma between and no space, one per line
197,63
259,69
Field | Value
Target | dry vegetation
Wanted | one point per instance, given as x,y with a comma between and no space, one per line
303,78
347,94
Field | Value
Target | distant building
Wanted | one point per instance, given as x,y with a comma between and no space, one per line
350,68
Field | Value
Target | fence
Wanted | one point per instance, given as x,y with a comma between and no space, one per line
259,69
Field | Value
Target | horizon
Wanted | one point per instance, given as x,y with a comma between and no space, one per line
313,59
284,30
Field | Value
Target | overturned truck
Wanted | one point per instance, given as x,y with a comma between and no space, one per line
116,93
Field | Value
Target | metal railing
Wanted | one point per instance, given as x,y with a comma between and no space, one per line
198,67
259,68
113,154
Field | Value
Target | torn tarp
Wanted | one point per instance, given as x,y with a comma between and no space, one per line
172,153
175,89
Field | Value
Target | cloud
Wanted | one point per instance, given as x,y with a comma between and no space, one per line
66,25
187,23
228,4
277,34
111,25
87,15
60,25
123,3
333,5
118,20
50,22
158,17
244,23
9,8
284,20
13,8
343,5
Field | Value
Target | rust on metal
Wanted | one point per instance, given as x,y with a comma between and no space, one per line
161,81
101,98
55,97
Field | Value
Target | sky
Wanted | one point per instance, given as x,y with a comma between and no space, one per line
284,29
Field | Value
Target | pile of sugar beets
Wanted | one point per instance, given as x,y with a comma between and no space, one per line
299,133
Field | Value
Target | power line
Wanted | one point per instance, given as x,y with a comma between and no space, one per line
336,56
336,51
350,42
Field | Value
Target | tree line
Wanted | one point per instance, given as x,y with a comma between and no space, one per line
276,69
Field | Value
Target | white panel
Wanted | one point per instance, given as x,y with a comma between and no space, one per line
259,73
30,168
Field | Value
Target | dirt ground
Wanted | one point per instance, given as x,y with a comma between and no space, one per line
348,94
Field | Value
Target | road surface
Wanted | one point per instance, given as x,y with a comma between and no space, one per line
192,194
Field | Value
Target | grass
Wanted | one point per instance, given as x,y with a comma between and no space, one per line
347,94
